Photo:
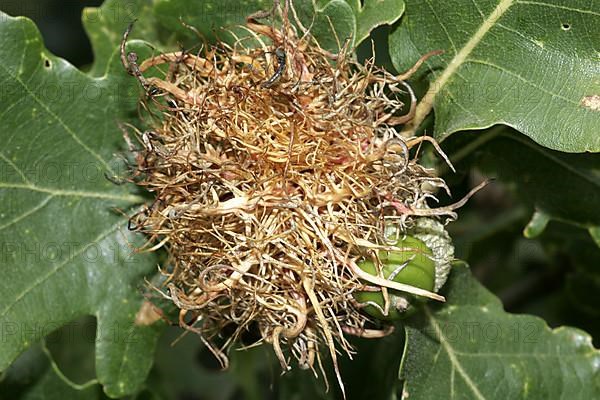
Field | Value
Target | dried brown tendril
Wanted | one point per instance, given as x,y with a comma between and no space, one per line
266,195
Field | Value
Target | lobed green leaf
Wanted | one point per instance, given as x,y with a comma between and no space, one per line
469,348
66,251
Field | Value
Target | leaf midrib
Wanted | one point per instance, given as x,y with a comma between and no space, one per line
426,104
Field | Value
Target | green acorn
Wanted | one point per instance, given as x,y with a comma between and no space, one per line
422,260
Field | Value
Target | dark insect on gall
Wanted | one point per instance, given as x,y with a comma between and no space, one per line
281,59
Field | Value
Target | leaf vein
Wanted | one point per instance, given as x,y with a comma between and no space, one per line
466,110
59,120
27,213
478,9
127,341
519,355
73,193
539,3
442,25
516,32
10,107
452,355
511,73
16,168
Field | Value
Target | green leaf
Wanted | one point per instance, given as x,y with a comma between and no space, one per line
350,19
70,351
532,65
65,250
105,26
560,185
574,248
20,383
469,348
209,17
179,371
331,22
371,374
595,234
373,14
536,225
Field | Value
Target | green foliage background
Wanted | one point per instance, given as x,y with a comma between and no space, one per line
511,100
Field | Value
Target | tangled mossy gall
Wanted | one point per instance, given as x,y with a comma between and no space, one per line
276,169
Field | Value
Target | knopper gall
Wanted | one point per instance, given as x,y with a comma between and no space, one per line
285,198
